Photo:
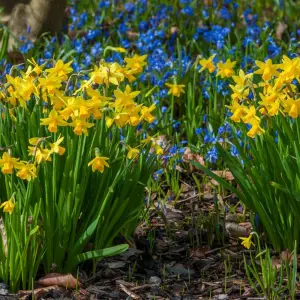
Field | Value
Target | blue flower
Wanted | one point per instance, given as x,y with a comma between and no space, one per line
198,130
104,4
187,11
96,50
233,151
129,7
212,155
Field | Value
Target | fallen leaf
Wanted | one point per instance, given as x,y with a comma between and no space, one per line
64,280
224,174
280,29
199,252
286,255
41,292
188,157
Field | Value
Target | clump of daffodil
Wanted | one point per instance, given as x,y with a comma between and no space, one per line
278,94
79,111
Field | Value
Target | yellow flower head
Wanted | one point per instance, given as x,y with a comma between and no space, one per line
175,89
8,206
98,163
53,121
267,69
8,163
136,63
246,241
132,152
208,64
27,171
61,70
226,69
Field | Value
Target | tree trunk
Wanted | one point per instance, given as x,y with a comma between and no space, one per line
30,18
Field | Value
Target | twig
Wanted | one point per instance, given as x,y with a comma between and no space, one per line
129,292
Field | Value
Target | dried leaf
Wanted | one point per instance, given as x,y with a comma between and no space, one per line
64,280
280,29
199,252
227,175
188,156
286,255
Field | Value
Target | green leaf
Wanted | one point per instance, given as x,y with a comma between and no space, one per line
96,254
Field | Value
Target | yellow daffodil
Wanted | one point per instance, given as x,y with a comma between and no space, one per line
125,99
267,69
8,163
56,148
136,63
255,129
226,69
98,163
208,64
81,126
146,113
132,152
247,241
50,84
107,73
61,69
175,89
53,121
40,154
27,171
8,206
292,107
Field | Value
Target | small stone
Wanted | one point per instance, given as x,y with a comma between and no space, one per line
221,297
4,289
155,280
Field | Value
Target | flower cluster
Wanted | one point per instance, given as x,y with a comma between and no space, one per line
46,89
277,90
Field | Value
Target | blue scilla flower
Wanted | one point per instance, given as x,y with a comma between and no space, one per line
164,109
104,4
221,130
212,155
198,131
176,124
87,60
92,34
181,150
125,43
122,28
173,150
82,20
76,66
248,40
225,14
96,49
78,46
273,49
26,46
129,7
143,26
185,2
163,93
234,151
187,10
